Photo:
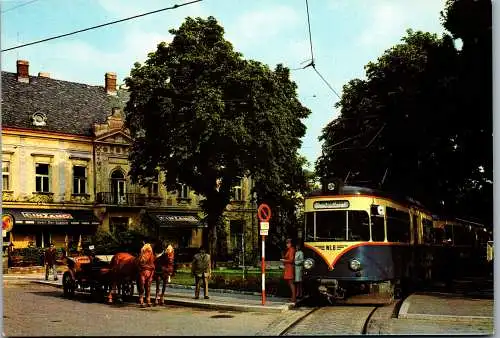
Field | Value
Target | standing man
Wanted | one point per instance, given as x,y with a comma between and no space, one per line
50,261
201,270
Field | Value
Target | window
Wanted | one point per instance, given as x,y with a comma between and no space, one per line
448,234
398,225
42,177
153,188
236,230
309,226
343,225
118,224
238,192
79,180
378,231
5,175
429,233
183,191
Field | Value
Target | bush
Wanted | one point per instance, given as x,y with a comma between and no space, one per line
32,256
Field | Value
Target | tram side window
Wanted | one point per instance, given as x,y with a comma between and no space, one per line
462,235
378,234
448,234
309,226
398,225
439,235
459,235
429,236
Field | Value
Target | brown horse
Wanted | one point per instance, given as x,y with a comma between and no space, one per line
164,269
125,267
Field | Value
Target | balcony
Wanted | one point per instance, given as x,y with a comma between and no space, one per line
128,199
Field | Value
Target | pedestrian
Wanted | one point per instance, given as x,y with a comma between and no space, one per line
10,253
299,265
50,261
170,261
289,268
201,270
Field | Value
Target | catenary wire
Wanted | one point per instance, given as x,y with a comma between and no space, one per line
102,25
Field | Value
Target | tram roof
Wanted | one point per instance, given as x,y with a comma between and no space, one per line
359,190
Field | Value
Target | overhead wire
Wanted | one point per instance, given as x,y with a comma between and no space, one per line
311,62
102,25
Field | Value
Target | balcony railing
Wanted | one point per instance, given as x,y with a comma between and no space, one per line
128,199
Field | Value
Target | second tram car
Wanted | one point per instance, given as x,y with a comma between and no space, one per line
362,241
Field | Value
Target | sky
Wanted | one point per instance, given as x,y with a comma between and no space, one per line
346,35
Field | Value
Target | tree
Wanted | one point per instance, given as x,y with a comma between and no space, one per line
391,124
471,22
206,117
420,124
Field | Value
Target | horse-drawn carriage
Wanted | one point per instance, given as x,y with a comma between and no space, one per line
91,274
103,274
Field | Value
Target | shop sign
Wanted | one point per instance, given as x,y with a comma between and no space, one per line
177,218
45,215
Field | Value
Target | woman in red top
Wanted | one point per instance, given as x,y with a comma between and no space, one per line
289,268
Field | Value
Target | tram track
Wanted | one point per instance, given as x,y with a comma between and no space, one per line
340,319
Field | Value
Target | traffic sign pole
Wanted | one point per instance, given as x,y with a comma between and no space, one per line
263,270
264,214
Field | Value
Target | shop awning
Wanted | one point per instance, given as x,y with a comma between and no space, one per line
177,220
52,217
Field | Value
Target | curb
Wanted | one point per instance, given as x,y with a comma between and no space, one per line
207,304
171,285
403,314
448,318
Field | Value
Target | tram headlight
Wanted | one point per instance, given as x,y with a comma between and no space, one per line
355,265
308,263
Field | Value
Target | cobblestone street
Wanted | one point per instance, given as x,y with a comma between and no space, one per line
38,310
41,310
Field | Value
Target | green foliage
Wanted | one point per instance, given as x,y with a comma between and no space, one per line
200,112
420,124
107,243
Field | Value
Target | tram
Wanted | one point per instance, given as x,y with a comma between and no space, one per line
360,241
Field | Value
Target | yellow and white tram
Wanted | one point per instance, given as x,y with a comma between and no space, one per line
362,241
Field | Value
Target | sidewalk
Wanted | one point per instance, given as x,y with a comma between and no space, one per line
447,307
228,300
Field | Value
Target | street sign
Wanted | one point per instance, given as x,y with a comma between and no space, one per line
7,222
264,212
264,225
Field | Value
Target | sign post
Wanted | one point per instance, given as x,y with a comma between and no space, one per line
264,214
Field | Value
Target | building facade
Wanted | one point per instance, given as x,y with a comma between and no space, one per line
65,171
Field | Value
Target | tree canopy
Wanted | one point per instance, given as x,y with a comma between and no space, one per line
420,123
201,113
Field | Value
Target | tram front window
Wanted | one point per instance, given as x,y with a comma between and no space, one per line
341,225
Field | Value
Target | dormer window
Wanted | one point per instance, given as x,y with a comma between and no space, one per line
39,119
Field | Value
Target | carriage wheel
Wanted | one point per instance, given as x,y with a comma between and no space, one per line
68,285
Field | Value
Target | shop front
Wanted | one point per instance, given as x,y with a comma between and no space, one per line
40,227
184,231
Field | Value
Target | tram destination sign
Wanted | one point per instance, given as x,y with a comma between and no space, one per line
331,204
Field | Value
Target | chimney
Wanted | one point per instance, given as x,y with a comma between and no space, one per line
23,74
110,83
44,74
